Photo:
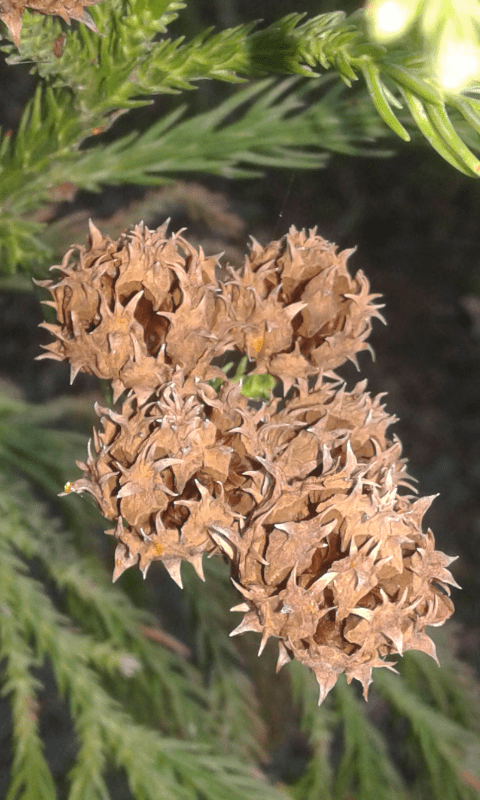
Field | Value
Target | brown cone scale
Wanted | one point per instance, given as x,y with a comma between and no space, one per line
11,13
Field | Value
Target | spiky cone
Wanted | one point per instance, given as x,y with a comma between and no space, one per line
299,312
158,472
11,13
333,561
131,311
316,425
302,494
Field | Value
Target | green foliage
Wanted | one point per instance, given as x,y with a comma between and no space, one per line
258,387
365,765
281,126
100,641
318,725
100,77
232,691
438,742
21,244
430,730
130,699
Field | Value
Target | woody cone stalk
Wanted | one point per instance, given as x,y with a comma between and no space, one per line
307,495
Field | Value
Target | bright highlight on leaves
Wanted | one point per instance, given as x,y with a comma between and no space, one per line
391,18
458,63
450,31
281,124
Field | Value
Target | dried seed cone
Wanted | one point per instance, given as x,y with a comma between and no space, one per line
303,494
332,561
159,472
298,310
131,311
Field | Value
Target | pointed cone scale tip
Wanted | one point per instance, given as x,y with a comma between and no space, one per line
223,544
263,643
241,607
118,571
74,370
173,569
323,691
283,657
197,564
244,627
95,235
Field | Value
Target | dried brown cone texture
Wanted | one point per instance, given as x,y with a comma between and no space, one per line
11,12
159,472
307,495
133,310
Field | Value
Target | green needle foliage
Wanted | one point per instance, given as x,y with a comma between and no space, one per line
176,720
98,78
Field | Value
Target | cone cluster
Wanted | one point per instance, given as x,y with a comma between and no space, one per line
304,495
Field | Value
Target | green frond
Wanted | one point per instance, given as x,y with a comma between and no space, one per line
407,72
457,699
107,735
82,96
278,124
318,724
231,690
126,65
469,109
366,768
166,684
45,455
265,135
439,746
422,115
381,97
20,244
31,777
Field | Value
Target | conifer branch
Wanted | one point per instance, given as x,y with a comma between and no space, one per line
231,691
155,766
318,725
137,66
457,699
282,125
365,766
439,741
82,96
21,434
169,687
30,773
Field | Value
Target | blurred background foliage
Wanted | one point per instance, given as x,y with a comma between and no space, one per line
160,661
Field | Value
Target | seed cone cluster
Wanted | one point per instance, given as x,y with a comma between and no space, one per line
302,494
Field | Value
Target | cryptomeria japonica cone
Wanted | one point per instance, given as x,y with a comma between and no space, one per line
304,495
